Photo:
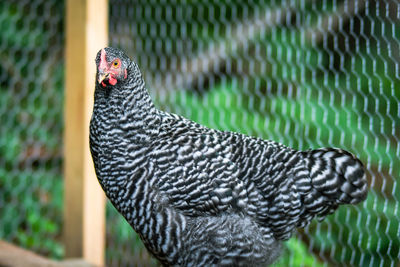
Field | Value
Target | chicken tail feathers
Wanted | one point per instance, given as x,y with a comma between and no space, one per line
335,177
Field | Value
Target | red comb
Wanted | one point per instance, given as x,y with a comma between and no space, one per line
103,60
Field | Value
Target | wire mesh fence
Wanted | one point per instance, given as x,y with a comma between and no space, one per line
31,102
305,73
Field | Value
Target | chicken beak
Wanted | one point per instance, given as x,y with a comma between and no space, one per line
102,77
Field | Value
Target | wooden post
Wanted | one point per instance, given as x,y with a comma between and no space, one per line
84,201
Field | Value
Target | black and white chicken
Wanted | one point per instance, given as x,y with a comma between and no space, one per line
203,197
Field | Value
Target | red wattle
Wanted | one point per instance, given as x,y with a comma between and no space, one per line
112,80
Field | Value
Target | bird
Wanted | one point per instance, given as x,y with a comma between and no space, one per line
198,196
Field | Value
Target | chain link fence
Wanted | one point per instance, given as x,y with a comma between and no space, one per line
305,73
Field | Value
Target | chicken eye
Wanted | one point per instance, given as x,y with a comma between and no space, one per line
116,63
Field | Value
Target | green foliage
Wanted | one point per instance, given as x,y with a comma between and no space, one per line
31,93
362,236
28,196
296,254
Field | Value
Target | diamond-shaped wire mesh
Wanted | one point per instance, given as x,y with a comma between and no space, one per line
305,73
31,106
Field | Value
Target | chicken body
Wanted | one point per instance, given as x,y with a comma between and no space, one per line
202,197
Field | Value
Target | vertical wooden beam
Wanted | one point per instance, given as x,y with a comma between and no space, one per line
84,201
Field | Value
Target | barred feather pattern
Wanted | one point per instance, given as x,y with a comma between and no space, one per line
201,197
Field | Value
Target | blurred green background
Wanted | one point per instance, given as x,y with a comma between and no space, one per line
305,73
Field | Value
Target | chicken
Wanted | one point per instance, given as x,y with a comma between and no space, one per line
203,197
